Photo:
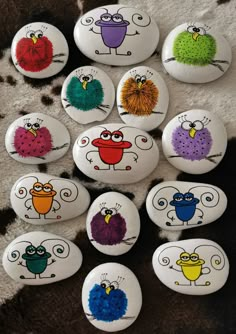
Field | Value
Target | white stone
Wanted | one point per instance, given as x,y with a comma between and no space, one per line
88,94
142,98
111,297
116,153
39,50
41,199
195,141
191,267
113,223
196,53
176,205
116,35
38,258
37,139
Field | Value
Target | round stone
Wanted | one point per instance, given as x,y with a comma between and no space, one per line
113,223
37,139
196,53
38,258
88,95
113,35
115,153
191,267
142,98
195,141
111,297
39,50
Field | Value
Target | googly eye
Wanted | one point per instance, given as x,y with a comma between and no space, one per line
193,29
117,18
178,197
137,78
30,34
30,250
106,135
114,285
38,33
106,17
36,126
28,126
198,125
105,283
143,79
104,211
87,78
113,211
117,136
186,125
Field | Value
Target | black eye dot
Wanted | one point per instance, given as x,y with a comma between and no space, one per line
196,29
138,80
36,125
40,35
85,78
112,287
32,34
28,124
103,285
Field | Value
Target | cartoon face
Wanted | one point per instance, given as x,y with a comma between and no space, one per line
34,253
107,302
187,199
139,95
186,260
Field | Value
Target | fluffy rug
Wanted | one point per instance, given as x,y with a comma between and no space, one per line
56,308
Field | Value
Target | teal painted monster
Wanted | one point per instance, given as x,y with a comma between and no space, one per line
85,93
196,47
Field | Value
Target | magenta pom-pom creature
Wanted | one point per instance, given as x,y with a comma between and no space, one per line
32,140
192,140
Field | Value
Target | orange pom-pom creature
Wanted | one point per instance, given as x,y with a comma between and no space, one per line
139,95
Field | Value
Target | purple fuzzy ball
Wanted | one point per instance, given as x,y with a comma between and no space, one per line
196,148
108,234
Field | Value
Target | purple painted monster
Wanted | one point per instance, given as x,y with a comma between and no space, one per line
192,140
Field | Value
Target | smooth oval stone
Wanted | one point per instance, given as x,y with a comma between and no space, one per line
113,35
38,258
191,267
196,53
113,223
115,153
88,94
111,297
37,139
39,198
142,98
39,50
177,205
195,141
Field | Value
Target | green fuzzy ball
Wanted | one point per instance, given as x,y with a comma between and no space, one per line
188,51
84,99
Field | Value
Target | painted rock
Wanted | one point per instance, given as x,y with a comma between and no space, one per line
142,98
115,153
177,205
196,53
113,223
113,34
37,139
39,198
195,141
111,297
191,267
38,258
88,95
39,50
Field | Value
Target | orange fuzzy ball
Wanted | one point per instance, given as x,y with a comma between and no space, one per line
139,101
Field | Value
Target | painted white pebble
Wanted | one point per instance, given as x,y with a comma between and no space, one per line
191,267
88,94
115,153
38,258
39,198
142,98
37,139
176,205
111,297
196,53
39,50
113,34
113,223
195,141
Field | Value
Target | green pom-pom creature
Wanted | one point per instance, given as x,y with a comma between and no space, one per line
85,93
196,47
